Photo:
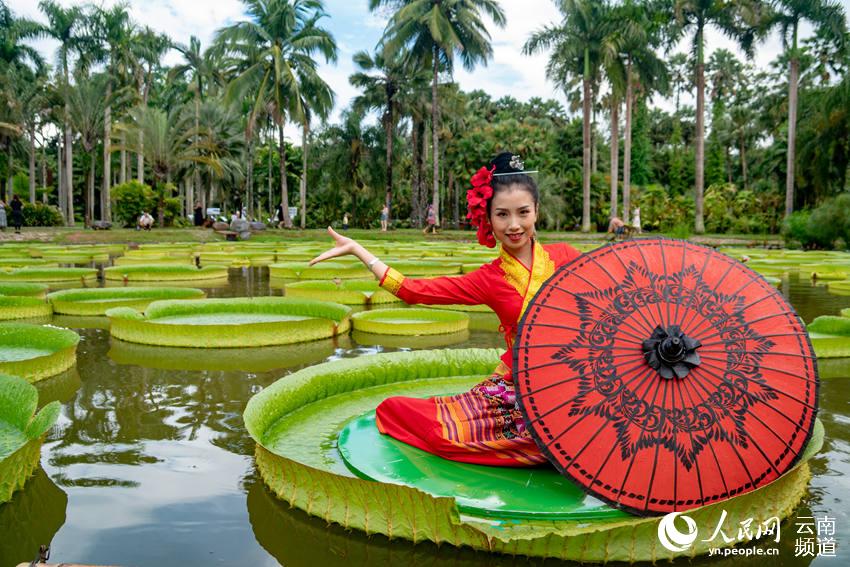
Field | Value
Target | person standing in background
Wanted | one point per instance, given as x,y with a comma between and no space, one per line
2,215
385,217
17,213
345,221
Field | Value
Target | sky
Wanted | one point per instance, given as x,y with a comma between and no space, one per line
509,73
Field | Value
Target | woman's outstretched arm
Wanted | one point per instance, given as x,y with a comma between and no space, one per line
344,246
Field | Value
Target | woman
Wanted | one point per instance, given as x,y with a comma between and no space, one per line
385,216
483,425
198,215
17,213
430,220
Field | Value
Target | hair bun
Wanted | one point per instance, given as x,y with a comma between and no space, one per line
507,162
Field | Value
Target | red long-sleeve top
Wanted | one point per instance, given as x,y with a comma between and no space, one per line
506,285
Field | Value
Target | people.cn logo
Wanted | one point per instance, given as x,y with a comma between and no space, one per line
671,538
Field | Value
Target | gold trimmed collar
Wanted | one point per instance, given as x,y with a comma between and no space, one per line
526,282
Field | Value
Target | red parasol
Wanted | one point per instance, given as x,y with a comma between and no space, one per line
661,375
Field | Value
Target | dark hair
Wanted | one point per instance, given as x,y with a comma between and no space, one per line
506,175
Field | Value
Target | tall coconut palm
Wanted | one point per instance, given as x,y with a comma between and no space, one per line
166,142
828,19
148,48
317,100
577,49
197,67
737,20
634,37
287,35
86,114
65,25
434,31
13,31
113,30
383,78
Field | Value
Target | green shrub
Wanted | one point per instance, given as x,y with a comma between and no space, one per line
38,214
130,199
826,227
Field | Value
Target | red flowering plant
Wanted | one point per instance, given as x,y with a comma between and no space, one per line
476,199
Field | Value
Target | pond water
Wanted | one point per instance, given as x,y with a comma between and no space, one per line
150,464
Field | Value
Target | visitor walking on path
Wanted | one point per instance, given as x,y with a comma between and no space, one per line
385,217
17,213
199,215
345,221
430,220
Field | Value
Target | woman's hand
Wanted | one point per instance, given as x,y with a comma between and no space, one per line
342,247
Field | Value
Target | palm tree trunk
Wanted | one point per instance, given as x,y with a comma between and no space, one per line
585,166
594,151
249,177
105,203
60,179
388,133
435,119
32,164
792,135
269,180
699,167
90,191
744,163
140,159
304,134
615,153
627,144
423,181
284,188
417,166
69,177
123,174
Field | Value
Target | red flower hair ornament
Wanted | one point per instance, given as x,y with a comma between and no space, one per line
476,199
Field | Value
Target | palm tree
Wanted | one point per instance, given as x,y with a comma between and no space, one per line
828,19
433,31
86,115
12,32
148,48
65,25
283,36
577,49
633,37
113,30
382,78
197,66
317,99
165,141
734,19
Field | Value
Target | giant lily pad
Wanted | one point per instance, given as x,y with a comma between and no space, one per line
21,432
23,289
410,322
82,276
830,336
256,359
88,302
12,307
229,323
349,292
323,271
297,420
36,352
163,273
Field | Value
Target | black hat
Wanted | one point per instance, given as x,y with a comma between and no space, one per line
507,163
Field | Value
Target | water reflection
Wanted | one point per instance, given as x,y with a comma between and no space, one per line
30,519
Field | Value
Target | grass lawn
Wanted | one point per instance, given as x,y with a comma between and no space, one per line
76,235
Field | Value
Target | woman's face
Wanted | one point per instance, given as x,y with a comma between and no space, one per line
512,216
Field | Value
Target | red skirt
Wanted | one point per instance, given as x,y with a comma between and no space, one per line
482,426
